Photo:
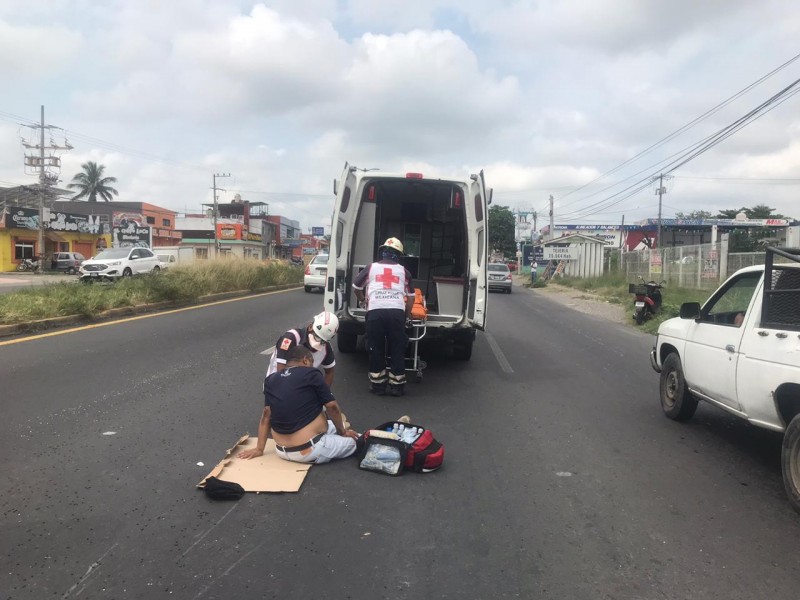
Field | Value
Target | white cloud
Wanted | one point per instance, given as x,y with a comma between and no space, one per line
545,95
30,52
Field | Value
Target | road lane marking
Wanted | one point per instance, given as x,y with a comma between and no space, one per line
498,353
210,529
137,318
91,569
269,350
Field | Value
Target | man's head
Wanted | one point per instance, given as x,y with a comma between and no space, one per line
391,249
300,356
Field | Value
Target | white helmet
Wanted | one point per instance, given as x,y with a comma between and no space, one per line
325,325
394,244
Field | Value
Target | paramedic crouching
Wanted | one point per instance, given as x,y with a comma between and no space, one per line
386,285
302,414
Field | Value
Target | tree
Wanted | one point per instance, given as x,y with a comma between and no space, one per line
695,214
501,230
759,211
92,184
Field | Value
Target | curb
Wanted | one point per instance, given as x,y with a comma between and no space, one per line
112,313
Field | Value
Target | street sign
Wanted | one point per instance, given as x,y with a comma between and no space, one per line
560,253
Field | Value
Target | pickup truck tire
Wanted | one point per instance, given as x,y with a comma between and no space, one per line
790,461
346,342
676,400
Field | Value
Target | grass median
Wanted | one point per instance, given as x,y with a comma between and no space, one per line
613,287
179,285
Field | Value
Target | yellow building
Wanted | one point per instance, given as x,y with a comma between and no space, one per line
63,232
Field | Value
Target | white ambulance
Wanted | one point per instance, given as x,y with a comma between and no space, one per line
443,224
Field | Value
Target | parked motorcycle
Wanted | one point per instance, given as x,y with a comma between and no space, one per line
647,299
28,264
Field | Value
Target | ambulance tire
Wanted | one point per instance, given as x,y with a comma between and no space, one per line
462,350
346,342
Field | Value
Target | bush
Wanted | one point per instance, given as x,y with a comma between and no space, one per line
180,285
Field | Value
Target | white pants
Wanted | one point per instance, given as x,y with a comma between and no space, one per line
330,446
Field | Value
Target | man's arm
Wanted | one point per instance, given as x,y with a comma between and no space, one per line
335,415
359,282
410,294
329,376
263,434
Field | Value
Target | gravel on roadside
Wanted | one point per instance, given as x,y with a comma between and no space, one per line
579,300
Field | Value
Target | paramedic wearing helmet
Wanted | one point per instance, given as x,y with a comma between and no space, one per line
386,285
315,336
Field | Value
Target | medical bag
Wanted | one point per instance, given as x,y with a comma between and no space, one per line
395,447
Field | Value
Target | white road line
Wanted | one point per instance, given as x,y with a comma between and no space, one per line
269,350
498,353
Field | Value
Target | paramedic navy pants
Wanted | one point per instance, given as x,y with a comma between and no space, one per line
386,330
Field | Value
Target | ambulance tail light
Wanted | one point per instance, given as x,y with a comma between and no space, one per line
413,175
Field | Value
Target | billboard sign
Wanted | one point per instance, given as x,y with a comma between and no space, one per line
560,253
318,231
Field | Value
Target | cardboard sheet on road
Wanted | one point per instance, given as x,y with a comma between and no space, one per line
267,473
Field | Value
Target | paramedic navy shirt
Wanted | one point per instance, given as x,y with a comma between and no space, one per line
295,396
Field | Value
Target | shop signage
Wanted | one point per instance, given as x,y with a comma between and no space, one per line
28,218
132,234
253,237
560,253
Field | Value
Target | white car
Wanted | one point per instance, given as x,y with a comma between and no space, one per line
316,273
114,263
166,261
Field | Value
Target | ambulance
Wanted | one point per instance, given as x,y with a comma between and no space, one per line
443,225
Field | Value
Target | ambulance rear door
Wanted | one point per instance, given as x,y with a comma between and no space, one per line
478,231
344,215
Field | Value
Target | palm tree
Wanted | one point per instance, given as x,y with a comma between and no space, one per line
92,184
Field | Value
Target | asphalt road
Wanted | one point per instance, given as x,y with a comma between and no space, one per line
562,479
12,282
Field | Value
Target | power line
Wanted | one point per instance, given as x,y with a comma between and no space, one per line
677,132
695,150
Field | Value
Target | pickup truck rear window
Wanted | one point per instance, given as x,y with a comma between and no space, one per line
783,300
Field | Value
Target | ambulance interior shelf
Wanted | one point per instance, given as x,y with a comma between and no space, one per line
430,220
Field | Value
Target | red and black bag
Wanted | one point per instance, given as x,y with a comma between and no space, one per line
423,455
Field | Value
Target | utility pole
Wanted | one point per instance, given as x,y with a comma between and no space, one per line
660,191
552,226
41,164
621,241
216,211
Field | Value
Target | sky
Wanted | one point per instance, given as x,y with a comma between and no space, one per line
550,98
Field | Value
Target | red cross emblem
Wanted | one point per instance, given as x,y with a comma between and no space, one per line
387,279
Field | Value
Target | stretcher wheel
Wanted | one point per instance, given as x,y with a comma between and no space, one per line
418,377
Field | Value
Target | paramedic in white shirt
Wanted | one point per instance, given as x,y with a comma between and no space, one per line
386,286
315,336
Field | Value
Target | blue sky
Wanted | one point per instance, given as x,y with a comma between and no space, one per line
544,96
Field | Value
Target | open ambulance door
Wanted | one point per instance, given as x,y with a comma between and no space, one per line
344,215
477,221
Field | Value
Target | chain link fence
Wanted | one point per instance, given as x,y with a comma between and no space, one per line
702,266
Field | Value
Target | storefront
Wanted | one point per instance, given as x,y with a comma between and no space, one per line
63,232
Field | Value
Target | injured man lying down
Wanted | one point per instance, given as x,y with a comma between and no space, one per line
302,414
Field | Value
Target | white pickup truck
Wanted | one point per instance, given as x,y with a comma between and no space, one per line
740,351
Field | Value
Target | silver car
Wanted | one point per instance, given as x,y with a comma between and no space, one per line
499,277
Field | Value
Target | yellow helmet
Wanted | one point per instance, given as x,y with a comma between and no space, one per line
394,244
